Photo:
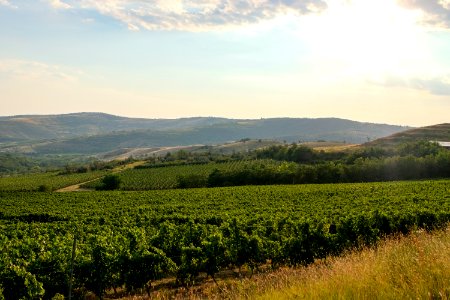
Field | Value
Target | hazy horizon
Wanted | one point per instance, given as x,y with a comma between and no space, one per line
187,117
371,61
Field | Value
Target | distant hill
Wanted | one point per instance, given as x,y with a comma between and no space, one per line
44,127
440,132
93,133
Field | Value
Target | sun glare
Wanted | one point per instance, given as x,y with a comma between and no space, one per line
367,38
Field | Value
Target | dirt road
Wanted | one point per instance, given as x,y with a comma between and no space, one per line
77,187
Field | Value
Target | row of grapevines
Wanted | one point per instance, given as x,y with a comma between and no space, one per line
167,177
129,239
46,181
36,260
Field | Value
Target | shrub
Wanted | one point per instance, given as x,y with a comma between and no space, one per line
110,182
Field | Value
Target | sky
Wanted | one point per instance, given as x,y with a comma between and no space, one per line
383,61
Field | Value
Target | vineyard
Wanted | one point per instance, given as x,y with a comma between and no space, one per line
169,177
127,240
46,181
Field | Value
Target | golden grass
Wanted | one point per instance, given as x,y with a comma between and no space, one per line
337,148
412,267
416,267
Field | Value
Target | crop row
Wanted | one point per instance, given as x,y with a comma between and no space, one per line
168,177
129,239
46,181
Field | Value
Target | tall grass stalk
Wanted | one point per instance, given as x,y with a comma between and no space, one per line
412,267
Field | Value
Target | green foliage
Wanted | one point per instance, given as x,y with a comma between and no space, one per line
58,297
44,188
191,265
18,283
110,182
292,164
191,181
177,176
49,180
215,255
131,239
141,267
14,163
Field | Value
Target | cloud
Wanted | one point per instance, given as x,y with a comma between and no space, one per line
192,15
7,4
59,4
437,85
437,12
33,70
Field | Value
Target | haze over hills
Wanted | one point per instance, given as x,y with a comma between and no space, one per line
92,133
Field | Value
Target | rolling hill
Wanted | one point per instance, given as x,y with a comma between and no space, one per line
440,132
94,133
44,127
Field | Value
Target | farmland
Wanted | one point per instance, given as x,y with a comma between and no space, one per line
168,177
185,233
48,181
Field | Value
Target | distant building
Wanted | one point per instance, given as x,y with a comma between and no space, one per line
444,144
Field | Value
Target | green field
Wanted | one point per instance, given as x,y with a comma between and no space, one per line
50,180
183,233
167,177
327,202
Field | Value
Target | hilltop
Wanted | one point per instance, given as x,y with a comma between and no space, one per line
439,132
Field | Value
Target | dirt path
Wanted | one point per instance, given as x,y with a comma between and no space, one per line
77,187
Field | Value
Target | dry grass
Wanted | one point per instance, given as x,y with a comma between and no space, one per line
416,267
331,146
412,267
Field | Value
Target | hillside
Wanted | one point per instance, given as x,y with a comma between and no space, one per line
440,132
43,127
93,133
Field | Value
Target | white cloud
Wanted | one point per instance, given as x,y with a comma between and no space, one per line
59,4
33,70
439,86
193,15
436,86
436,12
198,15
7,4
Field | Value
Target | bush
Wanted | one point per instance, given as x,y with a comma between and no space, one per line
192,181
44,188
110,182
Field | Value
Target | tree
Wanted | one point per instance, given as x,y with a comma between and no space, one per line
110,182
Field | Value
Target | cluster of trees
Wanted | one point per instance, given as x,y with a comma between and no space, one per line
297,153
133,257
183,157
362,170
410,161
305,155
94,165
109,183
11,163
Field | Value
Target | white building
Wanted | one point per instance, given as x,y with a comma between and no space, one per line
444,144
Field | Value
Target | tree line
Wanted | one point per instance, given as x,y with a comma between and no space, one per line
420,160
